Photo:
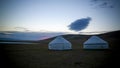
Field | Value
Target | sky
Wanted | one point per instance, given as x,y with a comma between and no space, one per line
57,15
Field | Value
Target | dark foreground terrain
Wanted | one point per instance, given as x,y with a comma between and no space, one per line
38,56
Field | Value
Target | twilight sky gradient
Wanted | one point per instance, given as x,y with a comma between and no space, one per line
56,15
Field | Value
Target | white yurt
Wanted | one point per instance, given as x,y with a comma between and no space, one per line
59,43
95,42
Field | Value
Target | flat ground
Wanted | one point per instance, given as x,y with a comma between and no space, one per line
38,56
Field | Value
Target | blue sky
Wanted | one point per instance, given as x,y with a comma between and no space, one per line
56,15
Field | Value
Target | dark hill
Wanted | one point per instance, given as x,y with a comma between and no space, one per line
110,37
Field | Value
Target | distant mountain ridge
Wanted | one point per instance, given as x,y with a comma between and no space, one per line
110,36
26,36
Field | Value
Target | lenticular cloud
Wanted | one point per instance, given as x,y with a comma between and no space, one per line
79,24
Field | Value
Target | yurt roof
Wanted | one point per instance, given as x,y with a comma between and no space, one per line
59,39
94,39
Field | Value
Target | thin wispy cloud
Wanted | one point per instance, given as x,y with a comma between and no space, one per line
21,29
103,3
94,32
